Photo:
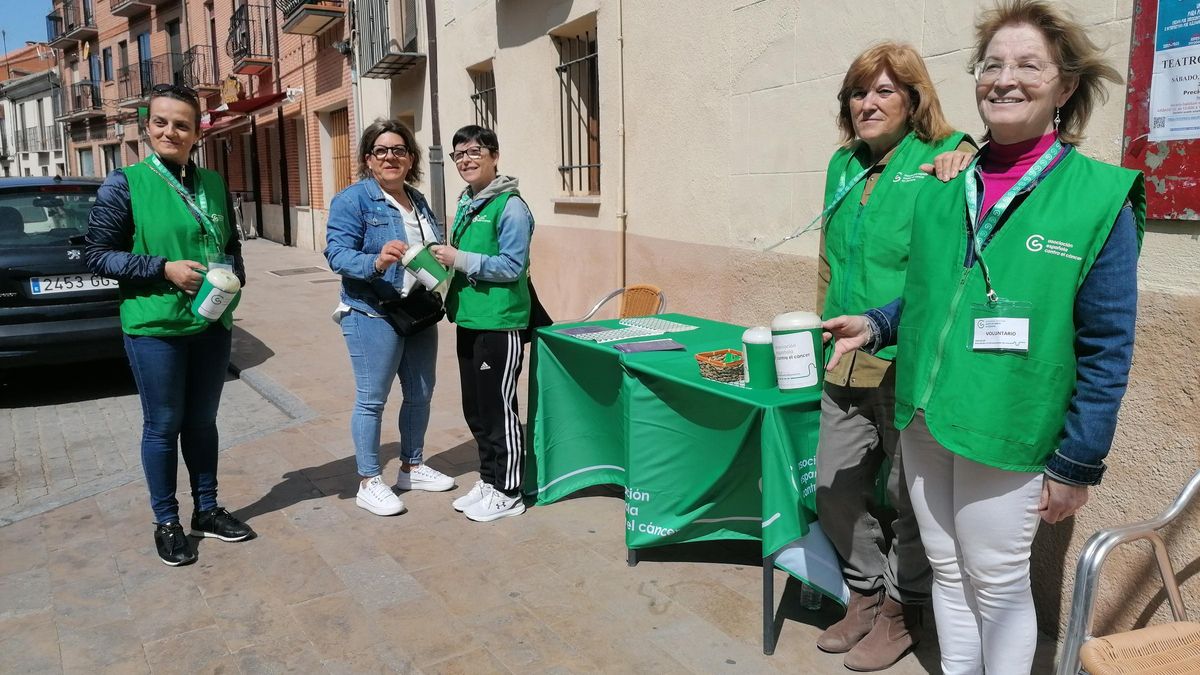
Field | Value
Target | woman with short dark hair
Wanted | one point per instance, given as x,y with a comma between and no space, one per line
371,225
490,302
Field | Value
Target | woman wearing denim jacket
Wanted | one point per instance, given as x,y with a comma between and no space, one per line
371,225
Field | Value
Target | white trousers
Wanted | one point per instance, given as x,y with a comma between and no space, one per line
977,523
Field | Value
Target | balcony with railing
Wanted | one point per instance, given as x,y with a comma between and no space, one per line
82,101
310,17
249,42
39,139
52,138
70,23
387,37
196,69
135,81
27,139
128,8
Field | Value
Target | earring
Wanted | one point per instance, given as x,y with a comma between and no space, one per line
1057,118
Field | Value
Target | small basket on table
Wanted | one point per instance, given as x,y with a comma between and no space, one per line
722,365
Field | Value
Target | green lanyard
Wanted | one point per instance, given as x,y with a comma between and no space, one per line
208,230
844,188
463,217
981,230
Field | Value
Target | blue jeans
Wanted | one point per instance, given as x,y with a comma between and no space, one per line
179,380
378,354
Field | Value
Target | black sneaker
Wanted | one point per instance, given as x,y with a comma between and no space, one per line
218,523
172,544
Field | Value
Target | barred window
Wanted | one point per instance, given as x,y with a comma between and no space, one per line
484,98
579,114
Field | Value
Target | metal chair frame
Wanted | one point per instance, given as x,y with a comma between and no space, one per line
1091,559
662,304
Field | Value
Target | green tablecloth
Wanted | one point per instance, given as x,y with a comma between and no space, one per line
699,460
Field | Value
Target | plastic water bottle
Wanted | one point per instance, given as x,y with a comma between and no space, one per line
810,598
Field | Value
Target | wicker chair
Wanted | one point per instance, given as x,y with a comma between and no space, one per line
1172,648
636,300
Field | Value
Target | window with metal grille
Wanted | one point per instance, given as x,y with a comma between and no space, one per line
579,114
484,98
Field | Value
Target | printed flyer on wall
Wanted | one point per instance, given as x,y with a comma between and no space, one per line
1175,85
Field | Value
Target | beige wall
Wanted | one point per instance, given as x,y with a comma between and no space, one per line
729,123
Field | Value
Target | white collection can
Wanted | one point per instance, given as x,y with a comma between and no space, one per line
218,290
799,353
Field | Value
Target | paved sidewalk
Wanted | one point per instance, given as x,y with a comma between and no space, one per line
77,434
327,587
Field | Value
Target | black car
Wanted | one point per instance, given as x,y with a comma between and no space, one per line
52,309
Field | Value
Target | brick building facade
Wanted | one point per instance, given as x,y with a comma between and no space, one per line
112,53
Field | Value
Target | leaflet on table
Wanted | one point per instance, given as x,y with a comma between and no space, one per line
581,330
649,346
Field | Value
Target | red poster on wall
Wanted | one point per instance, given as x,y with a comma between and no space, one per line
1172,182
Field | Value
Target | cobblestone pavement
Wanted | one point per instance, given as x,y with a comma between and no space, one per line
328,588
69,432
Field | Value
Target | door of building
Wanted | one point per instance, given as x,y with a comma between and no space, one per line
339,143
146,76
86,166
175,49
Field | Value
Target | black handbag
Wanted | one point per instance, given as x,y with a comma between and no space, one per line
538,316
415,312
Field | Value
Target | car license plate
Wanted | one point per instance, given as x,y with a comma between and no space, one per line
69,283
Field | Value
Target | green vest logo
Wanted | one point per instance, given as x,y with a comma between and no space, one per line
1037,243
909,177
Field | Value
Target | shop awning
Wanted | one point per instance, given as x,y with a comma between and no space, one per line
250,106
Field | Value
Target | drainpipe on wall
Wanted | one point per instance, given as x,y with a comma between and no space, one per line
622,215
437,169
354,79
285,196
255,187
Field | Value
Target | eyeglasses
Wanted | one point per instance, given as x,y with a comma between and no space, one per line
178,89
397,151
473,153
1026,71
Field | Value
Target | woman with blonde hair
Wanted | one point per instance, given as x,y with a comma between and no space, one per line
891,123
1016,330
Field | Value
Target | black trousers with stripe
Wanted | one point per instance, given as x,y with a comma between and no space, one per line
489,363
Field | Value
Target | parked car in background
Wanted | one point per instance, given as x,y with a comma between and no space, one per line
52,309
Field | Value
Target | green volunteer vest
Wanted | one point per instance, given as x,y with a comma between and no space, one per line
1005,410
486,305
867,244
163,225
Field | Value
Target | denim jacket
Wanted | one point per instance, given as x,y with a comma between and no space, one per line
361,221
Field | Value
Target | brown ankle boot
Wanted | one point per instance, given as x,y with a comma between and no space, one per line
897,630
860,616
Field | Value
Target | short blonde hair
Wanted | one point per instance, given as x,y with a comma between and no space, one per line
925,115
1077,57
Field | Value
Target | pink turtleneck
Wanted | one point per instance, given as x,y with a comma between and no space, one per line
1003,165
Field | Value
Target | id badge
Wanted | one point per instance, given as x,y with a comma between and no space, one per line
1002,326
220,261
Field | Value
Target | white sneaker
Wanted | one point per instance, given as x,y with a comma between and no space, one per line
475,495
424,477
494,505
378,498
